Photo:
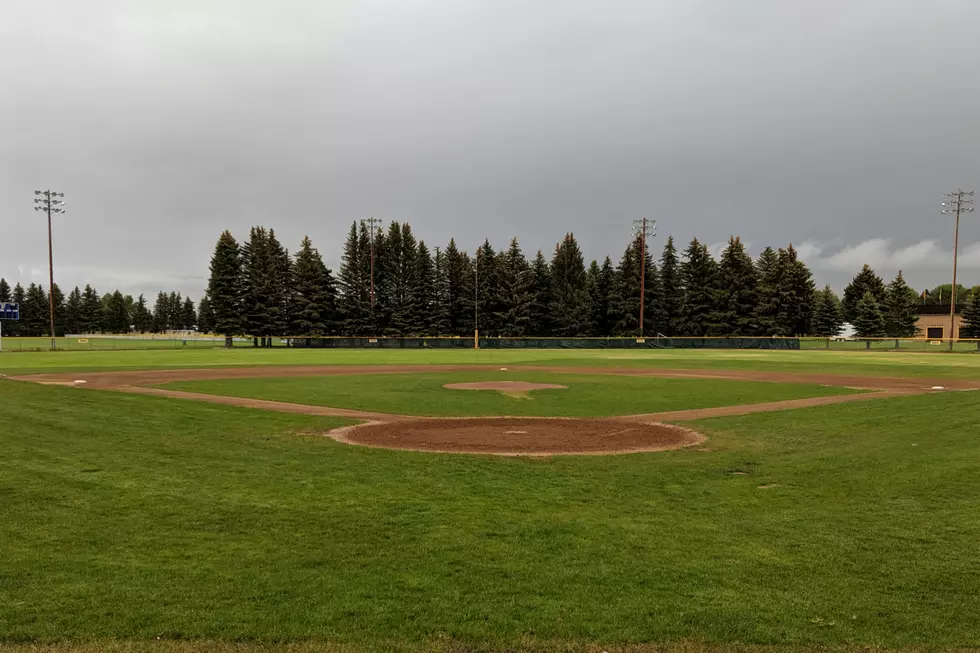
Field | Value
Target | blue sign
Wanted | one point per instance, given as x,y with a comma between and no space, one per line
9,311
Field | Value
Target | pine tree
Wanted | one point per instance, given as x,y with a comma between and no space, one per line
866,281
767,292
205,315
541,322
869,321
796,290
34,311
599,295
426,317
673,289
281,266
900,307
395,270
354,304
188,316
828,318
225,288
4,290
458,272
262,287
116,320
438,322
141,317
486,276
698,276
73,312
737,300
314,293
90,320
175,305
971,315
59,312
161,313
570,295
513,293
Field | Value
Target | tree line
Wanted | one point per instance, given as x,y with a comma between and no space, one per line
392,284
86,312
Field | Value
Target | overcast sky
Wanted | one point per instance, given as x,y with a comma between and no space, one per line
836,125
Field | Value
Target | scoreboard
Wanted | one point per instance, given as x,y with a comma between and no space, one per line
9,311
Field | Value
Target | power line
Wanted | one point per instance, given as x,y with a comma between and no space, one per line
957,204
47,201
373,226
642,229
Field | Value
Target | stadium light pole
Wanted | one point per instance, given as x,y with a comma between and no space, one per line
956,204
373,225
642,229
47,201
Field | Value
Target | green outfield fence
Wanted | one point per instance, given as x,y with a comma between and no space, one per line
179,342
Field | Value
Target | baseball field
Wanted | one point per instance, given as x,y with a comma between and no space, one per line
453,500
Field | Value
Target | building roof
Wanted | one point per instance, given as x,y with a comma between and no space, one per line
937,309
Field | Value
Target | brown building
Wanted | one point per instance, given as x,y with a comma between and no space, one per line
933,322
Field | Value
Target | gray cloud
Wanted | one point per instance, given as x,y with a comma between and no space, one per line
836,126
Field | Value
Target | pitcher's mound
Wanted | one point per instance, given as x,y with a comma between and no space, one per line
505,386
519,436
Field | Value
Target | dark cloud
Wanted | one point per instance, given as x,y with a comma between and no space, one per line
834,125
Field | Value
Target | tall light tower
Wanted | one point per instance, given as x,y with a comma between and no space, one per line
372,224
956,203
47,201
642,229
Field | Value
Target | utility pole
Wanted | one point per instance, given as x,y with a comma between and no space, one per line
372,224
956,204
476,301
47,201
642,229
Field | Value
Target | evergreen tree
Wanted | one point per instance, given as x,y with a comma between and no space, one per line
438,321
869,321
59,312
513,293
971,315
767,292
828,319
90,320
600,293
672,287
205,315
315,293
141,317
796,291
282,284
73,311
355,283
34,312
116,320
225,288
395,271
18,296
4,290
458,272
625,296
161,313
698,273
737,302
900,307
866,281
541,323
570,295
175,305
426,313
188,316
487,278
261,288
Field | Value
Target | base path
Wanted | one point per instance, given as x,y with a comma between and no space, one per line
504,436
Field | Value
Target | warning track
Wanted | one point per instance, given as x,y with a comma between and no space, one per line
488,435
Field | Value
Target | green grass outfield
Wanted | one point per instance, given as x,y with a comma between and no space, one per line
128,518
586,395
874,363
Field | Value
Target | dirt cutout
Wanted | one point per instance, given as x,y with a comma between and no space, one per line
518,436
512,389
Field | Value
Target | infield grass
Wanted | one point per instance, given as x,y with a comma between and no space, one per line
586,395
128,518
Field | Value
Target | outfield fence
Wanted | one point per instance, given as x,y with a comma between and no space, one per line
106,342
